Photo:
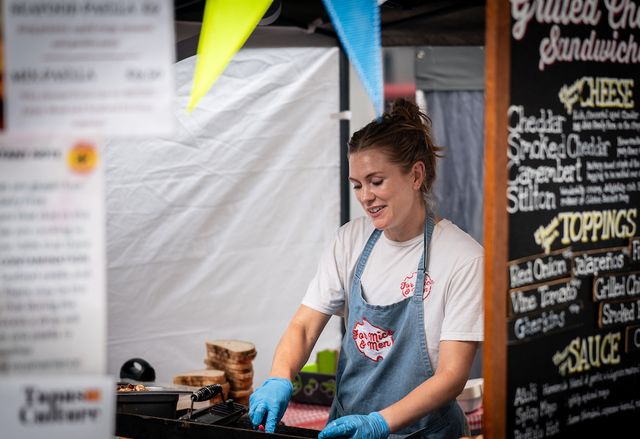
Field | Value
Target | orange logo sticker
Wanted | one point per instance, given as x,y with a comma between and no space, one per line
82,158
92,395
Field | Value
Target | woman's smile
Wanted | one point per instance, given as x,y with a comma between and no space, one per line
389,196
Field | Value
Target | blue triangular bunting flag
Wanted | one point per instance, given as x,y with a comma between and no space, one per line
357,23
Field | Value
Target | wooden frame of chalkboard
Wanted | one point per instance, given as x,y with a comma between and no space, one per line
562,229
497,80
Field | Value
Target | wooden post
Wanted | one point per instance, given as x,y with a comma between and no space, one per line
497,81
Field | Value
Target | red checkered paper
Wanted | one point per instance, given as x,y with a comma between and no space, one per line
310,416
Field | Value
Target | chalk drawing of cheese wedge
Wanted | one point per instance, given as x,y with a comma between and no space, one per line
374,342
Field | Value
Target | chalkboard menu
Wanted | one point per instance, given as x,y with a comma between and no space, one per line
573,196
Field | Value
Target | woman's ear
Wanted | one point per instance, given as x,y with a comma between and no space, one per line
419,174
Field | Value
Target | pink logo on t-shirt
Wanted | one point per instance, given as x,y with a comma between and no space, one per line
374,342
408,285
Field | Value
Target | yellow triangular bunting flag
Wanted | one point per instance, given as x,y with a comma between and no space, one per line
226,25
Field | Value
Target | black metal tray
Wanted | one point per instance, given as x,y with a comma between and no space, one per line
149,427
156,390
154,401
219,414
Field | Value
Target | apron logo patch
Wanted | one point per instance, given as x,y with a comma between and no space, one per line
374,342
408,285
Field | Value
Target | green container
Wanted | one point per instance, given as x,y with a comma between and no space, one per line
314,388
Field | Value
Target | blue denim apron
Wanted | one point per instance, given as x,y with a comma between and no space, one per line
384,355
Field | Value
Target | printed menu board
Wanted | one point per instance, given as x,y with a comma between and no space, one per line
52,258
57,407
573,150
87,67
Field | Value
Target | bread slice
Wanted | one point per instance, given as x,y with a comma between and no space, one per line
239,376
232,350
240,384
217,363
200,377
241,393
235,358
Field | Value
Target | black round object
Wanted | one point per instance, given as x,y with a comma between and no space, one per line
137,369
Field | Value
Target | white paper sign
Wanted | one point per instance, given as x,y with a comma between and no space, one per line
57,407
52,258
89,66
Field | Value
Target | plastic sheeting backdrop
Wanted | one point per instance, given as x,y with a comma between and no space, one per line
216,231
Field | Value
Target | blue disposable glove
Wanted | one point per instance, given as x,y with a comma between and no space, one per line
371,426
270,400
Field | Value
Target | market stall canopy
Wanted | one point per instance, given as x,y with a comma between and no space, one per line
403,22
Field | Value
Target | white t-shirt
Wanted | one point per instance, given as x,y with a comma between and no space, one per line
453,299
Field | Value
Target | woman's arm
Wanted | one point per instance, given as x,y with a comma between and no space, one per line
297,342
268,403
454,365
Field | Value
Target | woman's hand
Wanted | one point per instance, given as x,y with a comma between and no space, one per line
371,426
270,400
446,383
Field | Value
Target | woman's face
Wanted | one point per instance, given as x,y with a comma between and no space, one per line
390,197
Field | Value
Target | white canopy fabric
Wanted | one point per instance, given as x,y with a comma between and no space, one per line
215,232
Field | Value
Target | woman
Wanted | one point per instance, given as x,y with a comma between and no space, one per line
410,288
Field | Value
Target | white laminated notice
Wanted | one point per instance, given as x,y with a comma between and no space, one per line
57,407
52,258
100,67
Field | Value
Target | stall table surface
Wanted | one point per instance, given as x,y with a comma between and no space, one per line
309,416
